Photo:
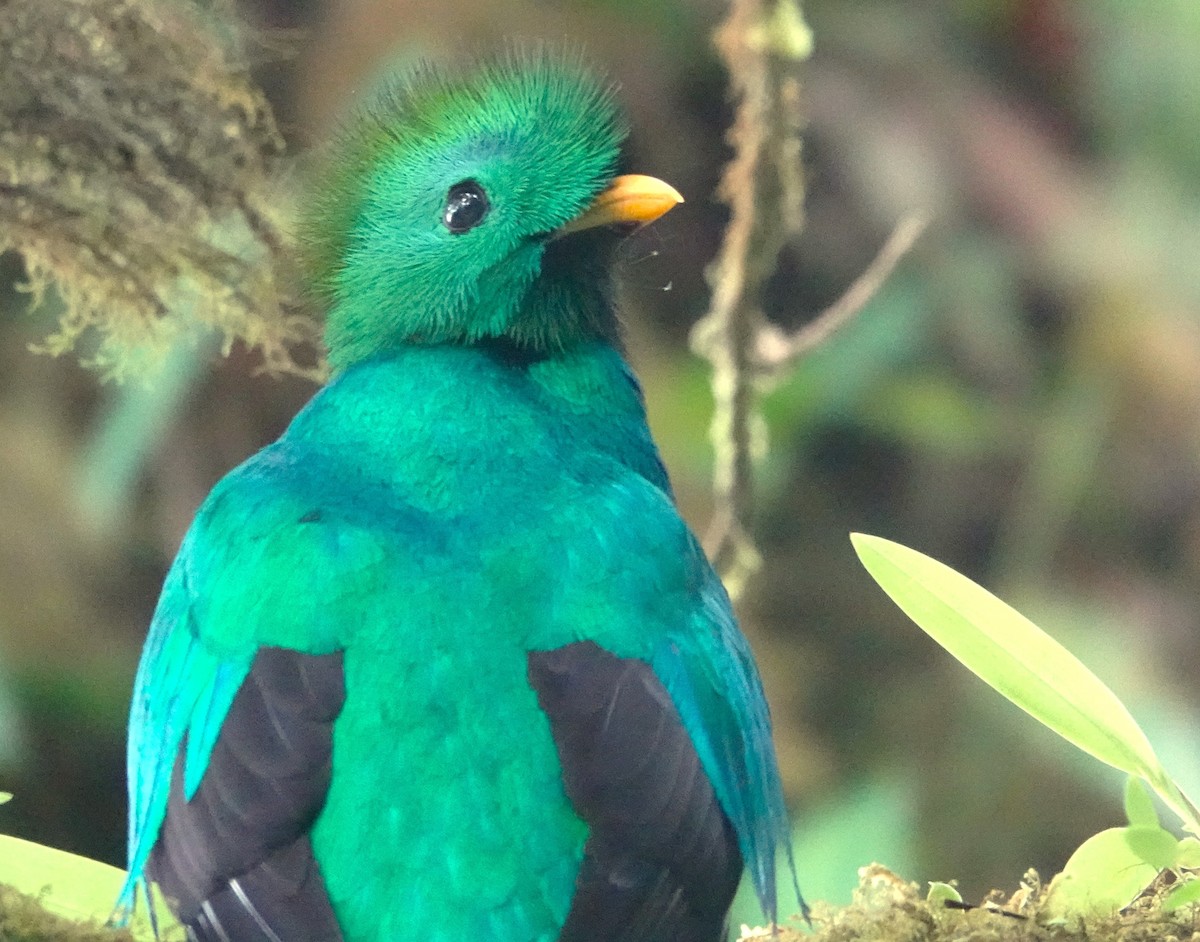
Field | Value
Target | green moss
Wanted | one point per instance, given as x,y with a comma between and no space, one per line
24,919
137,162
888,909
885,909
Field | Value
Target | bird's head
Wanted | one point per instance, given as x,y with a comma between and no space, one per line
460,209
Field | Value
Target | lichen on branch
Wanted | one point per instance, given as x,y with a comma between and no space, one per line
25,919
763,43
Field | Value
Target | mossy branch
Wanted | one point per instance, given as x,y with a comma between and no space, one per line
23,918
137,162
763,44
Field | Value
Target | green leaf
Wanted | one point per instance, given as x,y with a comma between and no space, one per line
73,886
941,893
1017,658
1157,847
5,797
1187,856
1139,806
1103,876
1184,894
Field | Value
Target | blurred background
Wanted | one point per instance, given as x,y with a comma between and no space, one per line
1020,401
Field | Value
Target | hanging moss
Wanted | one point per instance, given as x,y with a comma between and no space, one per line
136,167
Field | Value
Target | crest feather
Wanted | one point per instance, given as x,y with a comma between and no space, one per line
523,92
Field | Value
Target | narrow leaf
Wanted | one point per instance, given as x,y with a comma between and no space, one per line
1010,653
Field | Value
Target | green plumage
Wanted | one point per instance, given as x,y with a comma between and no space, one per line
373,231
476,487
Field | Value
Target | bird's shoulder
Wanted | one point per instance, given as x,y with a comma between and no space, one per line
276,552
266,563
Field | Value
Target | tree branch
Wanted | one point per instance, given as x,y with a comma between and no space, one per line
763,43
778,350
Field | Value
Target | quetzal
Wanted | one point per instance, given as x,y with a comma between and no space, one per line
443,663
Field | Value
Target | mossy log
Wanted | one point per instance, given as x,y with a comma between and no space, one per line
886,908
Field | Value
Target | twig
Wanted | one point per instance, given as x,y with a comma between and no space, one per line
777,350
762,43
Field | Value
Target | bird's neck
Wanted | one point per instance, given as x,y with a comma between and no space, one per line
454,423
483,405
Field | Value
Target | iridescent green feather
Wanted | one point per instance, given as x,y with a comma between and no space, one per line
476,484
372,236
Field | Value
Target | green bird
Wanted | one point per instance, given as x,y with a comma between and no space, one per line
444,663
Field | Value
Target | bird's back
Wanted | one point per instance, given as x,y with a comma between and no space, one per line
542,517
499,512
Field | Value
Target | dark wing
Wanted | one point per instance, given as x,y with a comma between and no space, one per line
236,857
661,862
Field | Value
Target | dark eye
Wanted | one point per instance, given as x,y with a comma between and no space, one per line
466,206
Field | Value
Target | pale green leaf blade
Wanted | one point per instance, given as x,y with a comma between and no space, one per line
1010,653
1139,806
1158,848
1188,854
942,893
1185,894
73,886
1103,876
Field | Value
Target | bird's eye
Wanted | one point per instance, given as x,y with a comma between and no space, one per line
466,207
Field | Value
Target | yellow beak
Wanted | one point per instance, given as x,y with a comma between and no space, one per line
631,198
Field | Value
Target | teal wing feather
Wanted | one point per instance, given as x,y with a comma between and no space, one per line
182,688
267,563
710,675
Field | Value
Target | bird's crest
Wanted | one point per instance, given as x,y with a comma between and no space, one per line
543,130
